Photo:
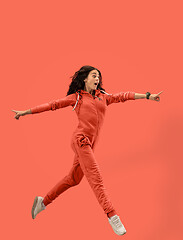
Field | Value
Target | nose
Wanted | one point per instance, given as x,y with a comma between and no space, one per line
97,82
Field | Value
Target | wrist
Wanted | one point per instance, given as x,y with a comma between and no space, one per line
148,94
26,112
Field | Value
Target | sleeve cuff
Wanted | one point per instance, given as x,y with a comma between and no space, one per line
132,95
33,110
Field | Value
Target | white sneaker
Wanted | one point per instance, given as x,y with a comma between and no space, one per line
38,206
117,225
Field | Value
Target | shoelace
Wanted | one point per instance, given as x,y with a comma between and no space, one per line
117,221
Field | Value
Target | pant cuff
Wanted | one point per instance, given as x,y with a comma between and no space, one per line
112,213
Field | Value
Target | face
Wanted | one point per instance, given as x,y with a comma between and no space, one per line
92,81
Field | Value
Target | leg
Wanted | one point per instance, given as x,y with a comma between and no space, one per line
92,172
72,179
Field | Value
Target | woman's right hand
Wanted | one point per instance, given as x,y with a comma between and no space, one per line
18,114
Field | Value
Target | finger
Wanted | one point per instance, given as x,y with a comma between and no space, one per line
13,110
160,92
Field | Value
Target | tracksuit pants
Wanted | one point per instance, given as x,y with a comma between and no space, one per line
84,164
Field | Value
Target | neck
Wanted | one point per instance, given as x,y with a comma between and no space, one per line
89,90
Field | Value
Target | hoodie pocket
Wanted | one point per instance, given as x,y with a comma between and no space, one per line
83,140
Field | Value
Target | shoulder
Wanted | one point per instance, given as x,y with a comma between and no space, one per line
72,96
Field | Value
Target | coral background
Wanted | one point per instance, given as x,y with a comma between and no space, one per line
137,46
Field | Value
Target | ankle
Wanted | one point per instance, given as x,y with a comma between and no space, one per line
111,214
44,202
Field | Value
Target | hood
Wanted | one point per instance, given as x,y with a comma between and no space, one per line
97,93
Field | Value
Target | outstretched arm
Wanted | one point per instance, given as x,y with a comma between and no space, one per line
154,97
124,96
119,97
69,100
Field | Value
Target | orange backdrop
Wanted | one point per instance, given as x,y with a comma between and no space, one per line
137,46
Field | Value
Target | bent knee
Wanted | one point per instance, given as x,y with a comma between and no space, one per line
76,182
73,181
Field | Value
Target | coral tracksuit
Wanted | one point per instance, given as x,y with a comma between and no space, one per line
90,111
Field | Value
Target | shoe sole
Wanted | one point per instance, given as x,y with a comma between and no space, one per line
34,206
118,232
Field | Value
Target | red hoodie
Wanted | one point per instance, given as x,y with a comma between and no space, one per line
89,109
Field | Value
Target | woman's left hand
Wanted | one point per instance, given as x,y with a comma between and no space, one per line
155,97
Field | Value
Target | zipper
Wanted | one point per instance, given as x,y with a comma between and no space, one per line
97,113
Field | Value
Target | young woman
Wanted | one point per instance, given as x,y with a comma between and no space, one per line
89,100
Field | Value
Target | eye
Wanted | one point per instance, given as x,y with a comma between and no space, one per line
94,75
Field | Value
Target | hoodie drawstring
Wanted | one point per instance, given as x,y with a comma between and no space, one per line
95,96
105,92
76,102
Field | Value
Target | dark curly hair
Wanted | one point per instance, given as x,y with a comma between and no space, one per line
79,77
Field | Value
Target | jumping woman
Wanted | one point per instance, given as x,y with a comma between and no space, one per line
89,100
